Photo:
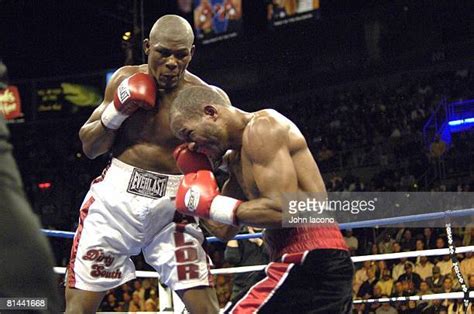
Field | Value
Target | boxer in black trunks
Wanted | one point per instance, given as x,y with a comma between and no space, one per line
311,270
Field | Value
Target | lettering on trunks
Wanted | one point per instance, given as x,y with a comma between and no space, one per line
101,262
186,257
147,184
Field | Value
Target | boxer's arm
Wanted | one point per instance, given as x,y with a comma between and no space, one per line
266,145
96,139
218,229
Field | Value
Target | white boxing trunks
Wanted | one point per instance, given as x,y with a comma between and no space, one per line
126,211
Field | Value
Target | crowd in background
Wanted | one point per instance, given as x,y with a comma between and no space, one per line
410,276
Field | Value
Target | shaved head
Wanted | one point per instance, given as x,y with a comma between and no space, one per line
172,28
189,103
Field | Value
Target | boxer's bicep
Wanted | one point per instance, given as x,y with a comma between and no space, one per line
275,175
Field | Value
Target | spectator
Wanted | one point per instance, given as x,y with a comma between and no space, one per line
386,246
424,267
419,245
468,238
435,308
385,283
470,282
396,248
110,303
148,289
381,266
119,292
467,265
137,303
351,241
407,242
440,243
436,280
154,297
245,253
126,298
429,238
411,276
137,285
447,288
367,288
447,285
424,288
372,307
361,276
386,308
150,305
398,290
399,268
445,265
457,307
374,249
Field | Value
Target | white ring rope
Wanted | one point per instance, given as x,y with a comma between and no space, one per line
434,252
435,296
355,259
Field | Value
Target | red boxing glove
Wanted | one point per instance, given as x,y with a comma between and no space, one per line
198,195
137,91
189,161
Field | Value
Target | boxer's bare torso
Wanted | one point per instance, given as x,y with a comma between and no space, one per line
272,146
145,140
300,161
274,159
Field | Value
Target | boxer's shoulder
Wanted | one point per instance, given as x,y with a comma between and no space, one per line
193,80
265,134
267,124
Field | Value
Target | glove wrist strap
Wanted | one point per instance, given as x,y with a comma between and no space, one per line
112,118
223,209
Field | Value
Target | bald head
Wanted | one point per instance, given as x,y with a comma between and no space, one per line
172,28
190,101
190,105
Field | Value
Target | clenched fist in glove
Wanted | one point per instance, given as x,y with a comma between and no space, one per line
190,161
198,195
137,91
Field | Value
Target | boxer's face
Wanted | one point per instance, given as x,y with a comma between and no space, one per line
168,59
205,134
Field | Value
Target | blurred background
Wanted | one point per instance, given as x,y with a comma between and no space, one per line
382,90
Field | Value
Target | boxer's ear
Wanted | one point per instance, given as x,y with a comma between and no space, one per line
210,111
146,46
